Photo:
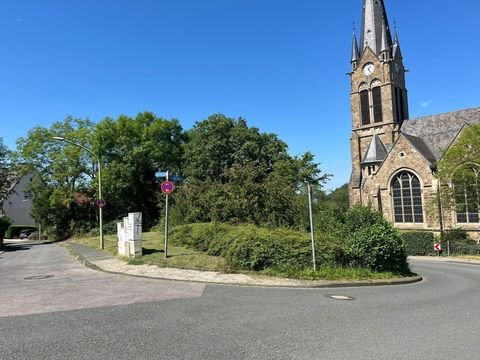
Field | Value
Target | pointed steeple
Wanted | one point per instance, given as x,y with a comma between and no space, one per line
385,49
355,53
396,45
375,29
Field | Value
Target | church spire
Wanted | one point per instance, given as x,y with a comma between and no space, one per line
375,29
396,45
355,53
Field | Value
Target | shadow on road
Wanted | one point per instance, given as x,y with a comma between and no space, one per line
11,247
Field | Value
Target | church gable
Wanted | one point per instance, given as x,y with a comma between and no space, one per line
403,155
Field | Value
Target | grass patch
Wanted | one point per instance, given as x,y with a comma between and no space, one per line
185,258
153,253
327,272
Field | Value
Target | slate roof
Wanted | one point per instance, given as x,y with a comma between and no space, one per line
377,152
432,135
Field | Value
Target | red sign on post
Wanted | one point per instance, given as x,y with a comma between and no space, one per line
167,187
101,203
437,247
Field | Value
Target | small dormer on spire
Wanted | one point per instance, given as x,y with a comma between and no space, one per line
355,52
396,46
385,48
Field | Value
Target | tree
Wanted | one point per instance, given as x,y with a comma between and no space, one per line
459,173
235,173
5,171
132,151
62,186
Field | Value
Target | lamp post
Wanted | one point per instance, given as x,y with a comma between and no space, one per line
100,208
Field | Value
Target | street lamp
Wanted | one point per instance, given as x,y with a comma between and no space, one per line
100,211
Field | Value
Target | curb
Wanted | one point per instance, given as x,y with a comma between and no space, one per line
412,280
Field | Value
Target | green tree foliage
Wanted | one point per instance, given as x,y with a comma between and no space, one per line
5,171
235,173
63,172
132,151
460,166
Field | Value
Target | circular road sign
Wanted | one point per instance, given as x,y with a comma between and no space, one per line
101,203
167,187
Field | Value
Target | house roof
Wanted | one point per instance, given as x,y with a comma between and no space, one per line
432,135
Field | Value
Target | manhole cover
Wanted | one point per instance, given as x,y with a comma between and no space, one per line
38,277
340,297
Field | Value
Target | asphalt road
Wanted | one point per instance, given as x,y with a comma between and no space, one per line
81,314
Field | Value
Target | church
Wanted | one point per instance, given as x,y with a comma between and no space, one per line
395,158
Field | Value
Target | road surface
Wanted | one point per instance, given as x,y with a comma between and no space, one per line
51,307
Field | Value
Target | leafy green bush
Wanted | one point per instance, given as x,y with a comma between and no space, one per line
418,243
247,247
13,231
4,224
372,242
109,228
456,236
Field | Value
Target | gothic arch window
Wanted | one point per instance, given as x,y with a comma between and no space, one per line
407,198
466,189
377,101
365,107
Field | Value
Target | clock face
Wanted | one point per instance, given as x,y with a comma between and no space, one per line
368,69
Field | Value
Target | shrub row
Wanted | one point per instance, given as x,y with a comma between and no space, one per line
418,243
367,240
247,247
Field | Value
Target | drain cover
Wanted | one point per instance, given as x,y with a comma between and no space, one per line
38,277
340,297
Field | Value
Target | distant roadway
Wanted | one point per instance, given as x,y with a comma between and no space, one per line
51,307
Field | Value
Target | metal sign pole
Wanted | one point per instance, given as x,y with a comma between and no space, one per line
309,189
166,223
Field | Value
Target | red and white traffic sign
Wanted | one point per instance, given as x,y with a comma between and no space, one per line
437,247
167,187
101,203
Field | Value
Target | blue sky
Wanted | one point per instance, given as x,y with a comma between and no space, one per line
281,64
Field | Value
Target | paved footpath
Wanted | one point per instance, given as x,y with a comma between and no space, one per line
101,260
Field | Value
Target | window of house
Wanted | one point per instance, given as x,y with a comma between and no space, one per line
467,195
407,198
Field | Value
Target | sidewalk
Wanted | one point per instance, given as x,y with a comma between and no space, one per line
451,259
103,261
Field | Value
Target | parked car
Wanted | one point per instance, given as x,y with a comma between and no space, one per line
25,233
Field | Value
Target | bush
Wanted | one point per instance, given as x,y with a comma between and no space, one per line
13,231
4,224
247,247
109,228
372,242
418,243
456,236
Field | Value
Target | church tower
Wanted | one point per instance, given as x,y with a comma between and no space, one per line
378,95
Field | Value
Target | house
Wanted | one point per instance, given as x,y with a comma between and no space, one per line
395,158
17,205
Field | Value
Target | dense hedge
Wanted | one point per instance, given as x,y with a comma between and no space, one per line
248,247
418,243
365,239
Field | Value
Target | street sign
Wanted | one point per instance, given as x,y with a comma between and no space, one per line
437,247
101,203
167,187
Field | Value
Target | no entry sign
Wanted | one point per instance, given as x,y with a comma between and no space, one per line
167,187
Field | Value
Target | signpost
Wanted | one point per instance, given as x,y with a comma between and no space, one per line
437,247
167,188
101,203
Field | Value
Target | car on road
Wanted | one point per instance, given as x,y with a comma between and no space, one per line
25,233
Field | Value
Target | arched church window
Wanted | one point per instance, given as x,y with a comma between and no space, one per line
365,107
377,101
466,188
407,198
